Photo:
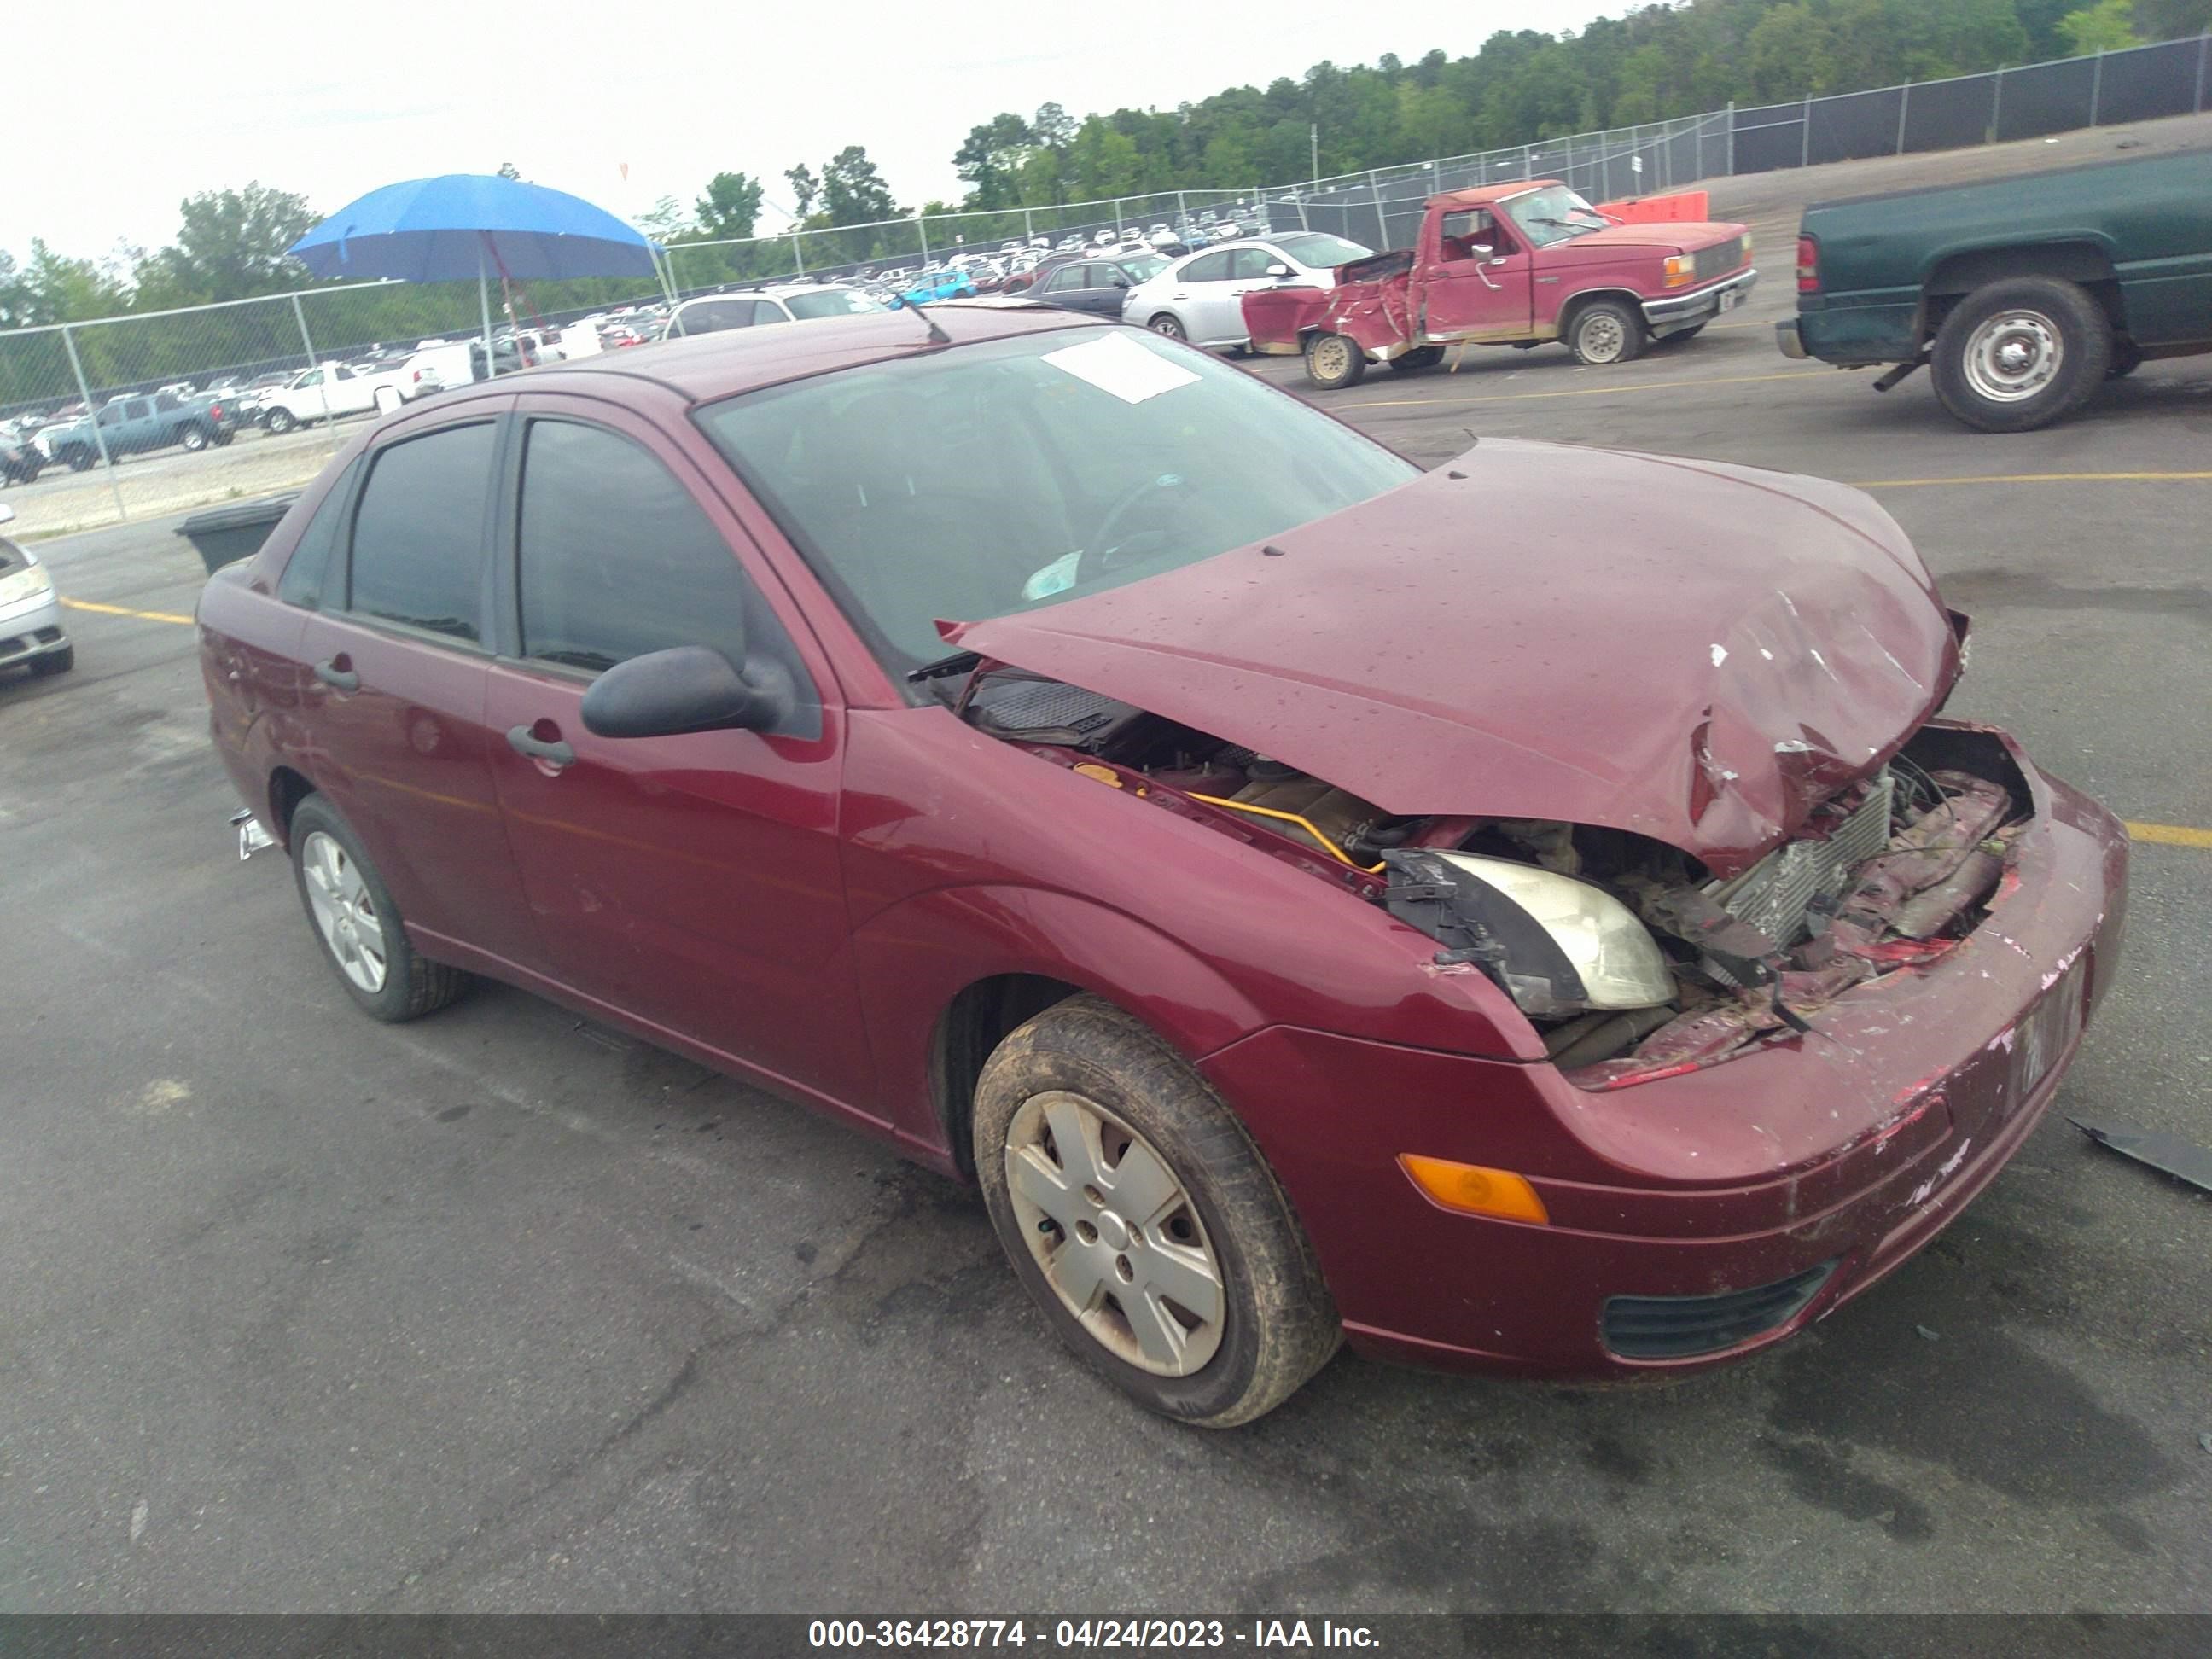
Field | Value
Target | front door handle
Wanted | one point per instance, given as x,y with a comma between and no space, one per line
338,673
524,742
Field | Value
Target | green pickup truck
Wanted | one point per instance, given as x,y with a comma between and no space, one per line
2021,295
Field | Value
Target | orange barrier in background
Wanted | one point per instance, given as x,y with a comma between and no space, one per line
1684,207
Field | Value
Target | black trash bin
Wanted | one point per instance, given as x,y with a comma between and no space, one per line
224,535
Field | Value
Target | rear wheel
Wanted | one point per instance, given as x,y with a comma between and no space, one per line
1141,1219
281,421
1168,325
358,925
1333,360
1419,358
1605,331
2019,353
194,439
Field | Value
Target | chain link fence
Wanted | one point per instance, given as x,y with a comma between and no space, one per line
115,416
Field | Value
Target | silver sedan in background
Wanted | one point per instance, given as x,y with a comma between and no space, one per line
1199,298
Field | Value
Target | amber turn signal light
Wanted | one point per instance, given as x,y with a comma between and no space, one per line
1476,1190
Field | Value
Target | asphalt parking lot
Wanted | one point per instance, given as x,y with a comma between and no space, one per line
503,1312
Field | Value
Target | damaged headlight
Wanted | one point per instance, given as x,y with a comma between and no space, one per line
1555,944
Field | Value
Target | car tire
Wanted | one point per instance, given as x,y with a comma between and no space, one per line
2016,355
194,439
351,914
55,662
1215,1227
1167,326
281,421
1335,360
80,458
1419,358
1605,332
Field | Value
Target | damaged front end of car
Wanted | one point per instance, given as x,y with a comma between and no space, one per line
1630,958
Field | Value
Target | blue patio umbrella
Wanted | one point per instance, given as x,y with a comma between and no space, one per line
467,224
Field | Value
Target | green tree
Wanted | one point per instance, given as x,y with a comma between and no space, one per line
230,246
2108,26
805,188
1790,52
853,190
2172,19
991,159
731,208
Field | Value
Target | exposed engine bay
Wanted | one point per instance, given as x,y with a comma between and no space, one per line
1629,956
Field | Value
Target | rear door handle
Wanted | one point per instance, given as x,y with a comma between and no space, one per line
555,754
338,673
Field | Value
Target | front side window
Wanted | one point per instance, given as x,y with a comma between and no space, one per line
1005,475
418,534
1249,265
137,409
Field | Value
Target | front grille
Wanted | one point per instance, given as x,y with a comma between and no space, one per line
1717,260
1775,894
1679,1327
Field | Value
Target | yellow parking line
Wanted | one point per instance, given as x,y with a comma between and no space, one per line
2170,834
1586,391
125,611
2035,477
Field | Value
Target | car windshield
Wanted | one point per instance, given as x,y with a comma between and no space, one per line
1317,250
1003,477
830,302
1553,214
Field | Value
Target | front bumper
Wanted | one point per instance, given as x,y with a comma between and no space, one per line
1814,1164
1679,311
30,628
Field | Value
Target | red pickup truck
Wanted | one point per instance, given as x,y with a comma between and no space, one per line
1513,264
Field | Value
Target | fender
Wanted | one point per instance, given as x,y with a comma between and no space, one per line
913,957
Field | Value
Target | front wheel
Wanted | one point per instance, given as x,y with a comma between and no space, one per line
358,925
1167,326
2019,353
281,421
80,460
1139,1217
1419,358
1605,331
1333,360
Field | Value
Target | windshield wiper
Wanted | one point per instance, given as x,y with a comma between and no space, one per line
960,662
1566,224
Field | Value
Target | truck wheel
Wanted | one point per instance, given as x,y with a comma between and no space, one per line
281,421
2019,353
1333,360
1141,1219
358,925
194,439
80,458
1419,358
1605,331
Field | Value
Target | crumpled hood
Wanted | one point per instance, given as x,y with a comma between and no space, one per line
1694,652
1686,235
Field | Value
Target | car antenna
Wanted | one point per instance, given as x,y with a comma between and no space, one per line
936,332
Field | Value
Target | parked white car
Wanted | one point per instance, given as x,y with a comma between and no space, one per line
30,615
789,302
332,391
1199,298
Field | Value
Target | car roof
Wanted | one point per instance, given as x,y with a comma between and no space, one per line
702,368
1488,195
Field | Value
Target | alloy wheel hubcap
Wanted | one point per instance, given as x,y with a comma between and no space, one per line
345,915
2012,355
1115,1234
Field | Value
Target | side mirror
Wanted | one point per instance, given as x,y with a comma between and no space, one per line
1279,270
689,687
1121,281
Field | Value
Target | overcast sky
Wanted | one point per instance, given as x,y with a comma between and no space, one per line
332,100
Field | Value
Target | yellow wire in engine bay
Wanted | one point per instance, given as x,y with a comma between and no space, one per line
1323,842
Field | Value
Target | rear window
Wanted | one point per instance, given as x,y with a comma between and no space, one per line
418,536
711,316
830,302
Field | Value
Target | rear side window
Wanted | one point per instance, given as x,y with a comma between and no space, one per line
418,534
618,559
710,316
302,581
1208,268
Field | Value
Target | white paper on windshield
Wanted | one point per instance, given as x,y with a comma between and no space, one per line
1118,364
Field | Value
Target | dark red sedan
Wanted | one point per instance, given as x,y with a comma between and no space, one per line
1529,916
